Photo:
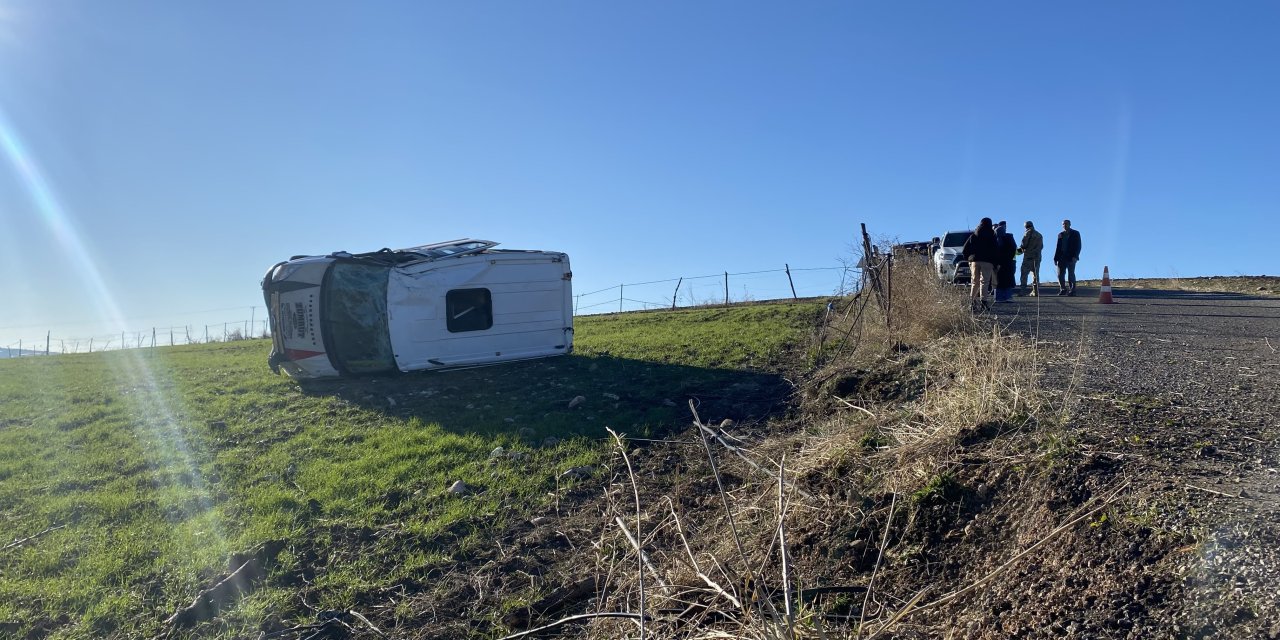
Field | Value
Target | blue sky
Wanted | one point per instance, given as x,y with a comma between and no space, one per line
159,156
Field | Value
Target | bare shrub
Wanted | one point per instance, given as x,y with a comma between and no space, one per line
921,307
983,384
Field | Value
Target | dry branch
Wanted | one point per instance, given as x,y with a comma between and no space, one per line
853,406
578,618
782,548
735,450
240,581
694,561
19,543
644,557
636,490
1216,493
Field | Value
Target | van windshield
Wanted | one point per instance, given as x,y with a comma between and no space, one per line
355,317
956,238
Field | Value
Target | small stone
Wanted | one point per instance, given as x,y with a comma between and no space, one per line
459,488
577,400
539,520
525,432
579,472
726,424
550,441
498,452
509,420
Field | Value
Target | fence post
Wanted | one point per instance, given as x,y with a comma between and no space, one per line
90,345
171,336
122,345
872,271
888,306
675,293
206,333
620,298
792,282
726,288
153,338
47,336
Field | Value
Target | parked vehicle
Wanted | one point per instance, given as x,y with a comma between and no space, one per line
948,261
451,304
919,250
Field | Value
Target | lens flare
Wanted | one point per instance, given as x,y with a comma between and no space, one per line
131,368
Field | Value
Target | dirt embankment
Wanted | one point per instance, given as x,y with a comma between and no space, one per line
1116,479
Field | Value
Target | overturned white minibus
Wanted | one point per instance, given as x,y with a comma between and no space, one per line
451,304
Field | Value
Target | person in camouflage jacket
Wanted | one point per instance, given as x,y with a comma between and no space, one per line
1031,249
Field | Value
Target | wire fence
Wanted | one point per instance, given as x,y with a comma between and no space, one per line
670,293
716,288
52,344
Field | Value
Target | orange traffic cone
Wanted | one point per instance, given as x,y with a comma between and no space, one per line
1105,296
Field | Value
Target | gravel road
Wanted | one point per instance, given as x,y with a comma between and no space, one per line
1179,391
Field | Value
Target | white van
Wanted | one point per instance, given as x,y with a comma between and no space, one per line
451,304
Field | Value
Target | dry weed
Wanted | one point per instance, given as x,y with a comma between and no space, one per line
921,308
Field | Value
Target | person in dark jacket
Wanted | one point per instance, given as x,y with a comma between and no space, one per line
1065,257
1006,256
980,251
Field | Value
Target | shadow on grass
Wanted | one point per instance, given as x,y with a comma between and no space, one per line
531,400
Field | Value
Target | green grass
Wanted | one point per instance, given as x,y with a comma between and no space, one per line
158,465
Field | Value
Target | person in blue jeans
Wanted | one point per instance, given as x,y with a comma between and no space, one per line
1006,252
1065,257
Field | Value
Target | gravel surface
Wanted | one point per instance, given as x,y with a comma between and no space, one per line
1177,392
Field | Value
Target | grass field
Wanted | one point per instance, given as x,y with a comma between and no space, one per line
132,481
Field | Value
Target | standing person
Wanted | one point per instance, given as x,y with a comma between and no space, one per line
1006,252
1065,257
1031,248
980,250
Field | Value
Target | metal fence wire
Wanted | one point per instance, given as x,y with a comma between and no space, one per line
671,293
